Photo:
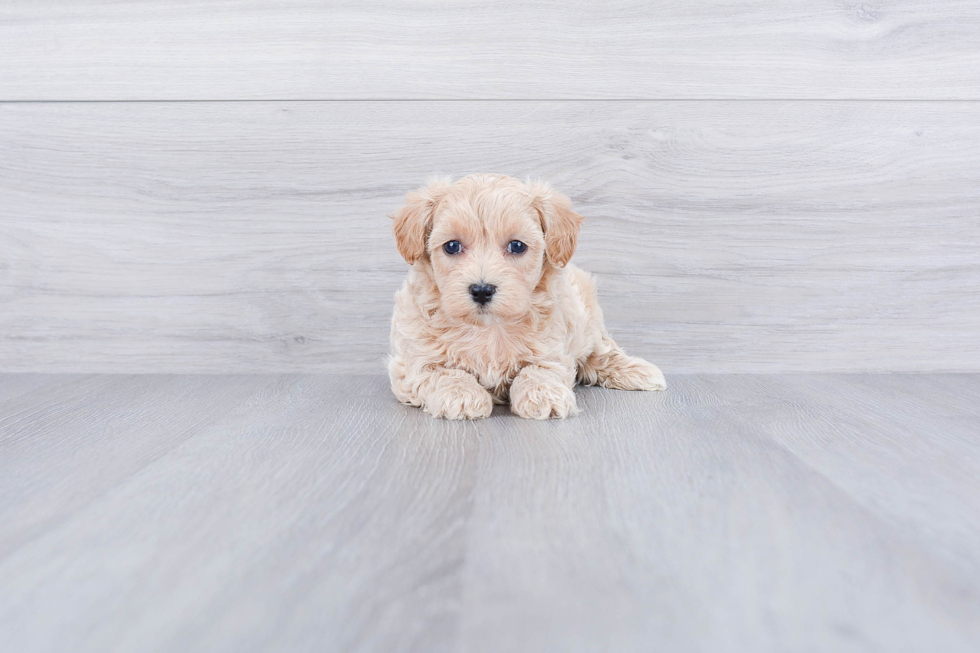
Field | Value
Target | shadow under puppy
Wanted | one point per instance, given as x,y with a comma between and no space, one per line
491,311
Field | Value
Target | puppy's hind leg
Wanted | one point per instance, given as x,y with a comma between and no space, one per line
610,367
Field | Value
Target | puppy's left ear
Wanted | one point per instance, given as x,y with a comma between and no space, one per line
413,222
559,222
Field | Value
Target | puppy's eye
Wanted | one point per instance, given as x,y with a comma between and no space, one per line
516,247
453,247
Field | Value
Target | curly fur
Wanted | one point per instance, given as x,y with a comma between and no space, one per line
540,334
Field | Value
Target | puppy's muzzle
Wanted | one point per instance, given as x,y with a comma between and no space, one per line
482,293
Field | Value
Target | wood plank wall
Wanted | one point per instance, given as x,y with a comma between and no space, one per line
768,186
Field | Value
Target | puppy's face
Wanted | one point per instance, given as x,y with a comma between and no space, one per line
486,255
487,240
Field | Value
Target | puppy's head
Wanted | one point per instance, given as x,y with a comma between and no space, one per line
487,240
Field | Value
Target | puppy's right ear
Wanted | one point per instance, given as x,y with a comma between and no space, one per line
413,222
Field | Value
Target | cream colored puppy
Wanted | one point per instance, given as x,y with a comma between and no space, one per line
491,311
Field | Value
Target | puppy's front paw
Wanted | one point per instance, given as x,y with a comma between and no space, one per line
459,398
535,395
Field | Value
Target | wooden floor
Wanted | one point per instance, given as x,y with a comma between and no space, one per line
300,513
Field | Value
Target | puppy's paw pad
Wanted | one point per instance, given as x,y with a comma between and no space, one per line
631,373
542,401
461,399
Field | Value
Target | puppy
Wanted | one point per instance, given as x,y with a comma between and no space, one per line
491,311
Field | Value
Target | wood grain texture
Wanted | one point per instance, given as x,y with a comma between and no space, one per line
12,386
301,49
163,411
738,512
726,236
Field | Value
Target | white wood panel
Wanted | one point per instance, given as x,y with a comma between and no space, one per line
727,236
384,49
729,513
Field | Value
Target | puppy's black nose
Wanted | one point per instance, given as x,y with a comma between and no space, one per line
482,292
